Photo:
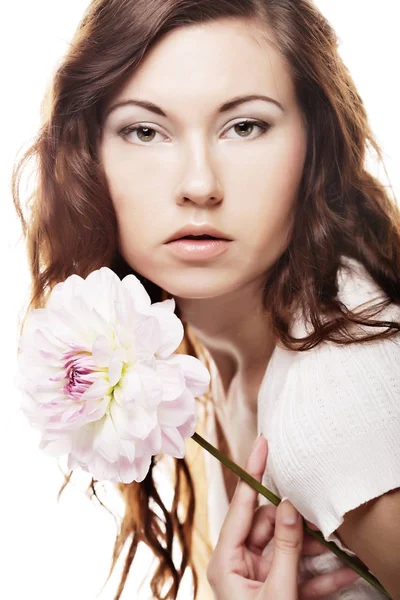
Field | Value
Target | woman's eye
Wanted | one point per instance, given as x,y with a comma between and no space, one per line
145,134
243,127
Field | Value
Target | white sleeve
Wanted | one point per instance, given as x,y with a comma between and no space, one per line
335,432
361,398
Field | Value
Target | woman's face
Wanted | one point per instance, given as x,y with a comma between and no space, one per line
200,165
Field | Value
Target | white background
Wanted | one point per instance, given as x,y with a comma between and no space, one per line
62,550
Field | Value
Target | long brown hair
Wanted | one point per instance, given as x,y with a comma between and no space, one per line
342,209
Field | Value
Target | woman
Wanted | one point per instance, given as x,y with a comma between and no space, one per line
146,139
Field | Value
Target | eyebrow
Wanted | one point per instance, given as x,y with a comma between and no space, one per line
222,109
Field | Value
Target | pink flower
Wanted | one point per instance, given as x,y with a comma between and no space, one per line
100,379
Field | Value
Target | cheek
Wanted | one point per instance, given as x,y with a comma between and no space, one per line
271,193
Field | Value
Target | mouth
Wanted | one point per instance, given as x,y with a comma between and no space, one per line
198,247
195,233
197,237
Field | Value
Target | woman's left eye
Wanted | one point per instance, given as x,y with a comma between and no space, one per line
147,134
242,126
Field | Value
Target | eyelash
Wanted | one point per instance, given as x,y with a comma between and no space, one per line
262,125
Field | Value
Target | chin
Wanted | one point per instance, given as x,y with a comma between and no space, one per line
196,288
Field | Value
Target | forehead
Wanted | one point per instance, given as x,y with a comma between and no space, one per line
207,63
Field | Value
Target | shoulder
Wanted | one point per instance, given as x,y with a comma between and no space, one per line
366,371
355,286
334,431
358,292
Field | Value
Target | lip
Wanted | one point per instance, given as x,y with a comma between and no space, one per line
198,250
198,230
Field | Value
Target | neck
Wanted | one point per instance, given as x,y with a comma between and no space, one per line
236,331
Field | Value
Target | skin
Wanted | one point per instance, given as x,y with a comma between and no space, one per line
240,568
197,166
206,172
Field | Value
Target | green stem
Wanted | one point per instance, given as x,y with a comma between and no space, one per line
350,561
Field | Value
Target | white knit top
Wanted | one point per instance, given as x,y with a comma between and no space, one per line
331,416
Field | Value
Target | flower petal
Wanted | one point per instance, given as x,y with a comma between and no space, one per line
101,351
171,328
142,465
99,388
129,388
115,367
148,335
138,293
57,447
172,442
176,412
197,377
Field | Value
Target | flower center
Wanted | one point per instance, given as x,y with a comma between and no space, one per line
80,373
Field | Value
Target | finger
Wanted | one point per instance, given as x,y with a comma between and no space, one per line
287,549
312,547
239,519
323,585
263,527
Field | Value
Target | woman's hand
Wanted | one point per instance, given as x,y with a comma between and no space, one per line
239,569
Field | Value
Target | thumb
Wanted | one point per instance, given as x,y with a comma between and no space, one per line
288,541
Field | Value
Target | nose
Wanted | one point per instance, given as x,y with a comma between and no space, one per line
200,184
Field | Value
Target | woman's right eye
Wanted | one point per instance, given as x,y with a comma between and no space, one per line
146,133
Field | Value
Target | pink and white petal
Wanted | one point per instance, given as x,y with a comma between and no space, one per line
101,351
72,411
45,397
64,326
152,443
129,389
141,421
148,335
47,347
93,411
196,375
138,293
101,287
166,305
101,469
188,429
72,463
176,412
128,449
120,421
106,442
100,325
82,442
152,386
136,424
125,339
115,367
172,442
172,378
171,330
94,408
57,447
125,313
126,470
97,390
142,465
64,290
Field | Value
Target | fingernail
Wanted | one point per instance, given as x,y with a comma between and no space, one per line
289,514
